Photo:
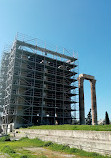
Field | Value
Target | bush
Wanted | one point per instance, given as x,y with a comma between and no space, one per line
5,138
24,156
48,143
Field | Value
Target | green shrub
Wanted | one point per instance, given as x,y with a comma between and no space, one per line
5,138
23,156
49,143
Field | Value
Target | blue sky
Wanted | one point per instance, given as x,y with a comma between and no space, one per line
82,25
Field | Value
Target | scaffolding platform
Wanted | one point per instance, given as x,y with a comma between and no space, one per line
38,85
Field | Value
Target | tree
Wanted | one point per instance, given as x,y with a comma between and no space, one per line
89,118
107,122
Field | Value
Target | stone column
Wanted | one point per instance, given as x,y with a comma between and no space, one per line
81,101
93,102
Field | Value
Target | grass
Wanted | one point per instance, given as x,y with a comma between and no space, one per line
15,149
5,138
73,127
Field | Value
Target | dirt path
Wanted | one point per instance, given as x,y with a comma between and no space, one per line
49,153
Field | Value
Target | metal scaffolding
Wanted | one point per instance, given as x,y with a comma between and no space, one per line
37,85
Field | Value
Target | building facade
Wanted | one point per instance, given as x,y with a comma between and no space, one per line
38,86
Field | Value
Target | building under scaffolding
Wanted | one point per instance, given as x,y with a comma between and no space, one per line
38,85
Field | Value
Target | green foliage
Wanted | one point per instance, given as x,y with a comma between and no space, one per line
74,127
89,118
67,149
23,139
25,153
59,147
107,122
12,148
10,151
24,156
7,149
46,144
5,138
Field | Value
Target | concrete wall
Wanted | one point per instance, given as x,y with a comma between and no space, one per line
91,141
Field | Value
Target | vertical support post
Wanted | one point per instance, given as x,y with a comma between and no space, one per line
55,115
63,93
93,102
42,108
81,101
